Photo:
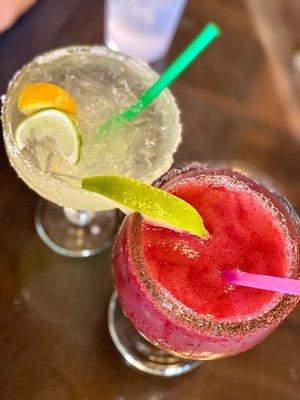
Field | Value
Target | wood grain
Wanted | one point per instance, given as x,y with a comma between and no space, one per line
54,342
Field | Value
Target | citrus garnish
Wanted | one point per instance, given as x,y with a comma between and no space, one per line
55,125
38,96
156,205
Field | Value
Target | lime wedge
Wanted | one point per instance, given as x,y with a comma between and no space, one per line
54,125
160,207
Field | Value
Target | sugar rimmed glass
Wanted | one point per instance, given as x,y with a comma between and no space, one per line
157,315
75,222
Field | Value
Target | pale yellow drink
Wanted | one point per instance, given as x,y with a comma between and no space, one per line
102,83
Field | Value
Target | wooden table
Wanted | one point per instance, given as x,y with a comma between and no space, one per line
54,343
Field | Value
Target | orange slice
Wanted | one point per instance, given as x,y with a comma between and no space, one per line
38,96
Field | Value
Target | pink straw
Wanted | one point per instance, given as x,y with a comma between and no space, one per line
265,282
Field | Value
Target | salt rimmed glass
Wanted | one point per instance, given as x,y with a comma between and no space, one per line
191,338
75,222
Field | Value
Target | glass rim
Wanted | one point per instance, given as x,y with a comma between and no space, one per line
101,50
184,314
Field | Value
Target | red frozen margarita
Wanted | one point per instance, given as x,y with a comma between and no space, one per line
170,283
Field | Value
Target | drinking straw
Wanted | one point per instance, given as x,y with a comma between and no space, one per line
265,282
209,33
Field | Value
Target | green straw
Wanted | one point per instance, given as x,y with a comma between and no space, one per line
209,33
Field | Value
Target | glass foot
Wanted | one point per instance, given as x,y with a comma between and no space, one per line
74,233
137,352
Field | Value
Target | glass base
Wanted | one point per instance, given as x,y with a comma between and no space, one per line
137,352
75,233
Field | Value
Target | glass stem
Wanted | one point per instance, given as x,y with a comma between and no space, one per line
79,217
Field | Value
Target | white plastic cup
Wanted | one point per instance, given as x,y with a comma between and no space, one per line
142,29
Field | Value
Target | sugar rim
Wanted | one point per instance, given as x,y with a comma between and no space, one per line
12,148
181,313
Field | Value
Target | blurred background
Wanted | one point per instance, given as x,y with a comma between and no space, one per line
240,101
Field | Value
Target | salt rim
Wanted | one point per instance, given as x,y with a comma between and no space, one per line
183,314
80,49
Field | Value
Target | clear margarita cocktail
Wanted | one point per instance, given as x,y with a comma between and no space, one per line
102,83
170,284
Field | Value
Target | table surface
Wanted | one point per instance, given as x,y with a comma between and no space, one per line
54,342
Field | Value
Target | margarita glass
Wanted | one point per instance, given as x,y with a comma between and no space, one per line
170,284
103,83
